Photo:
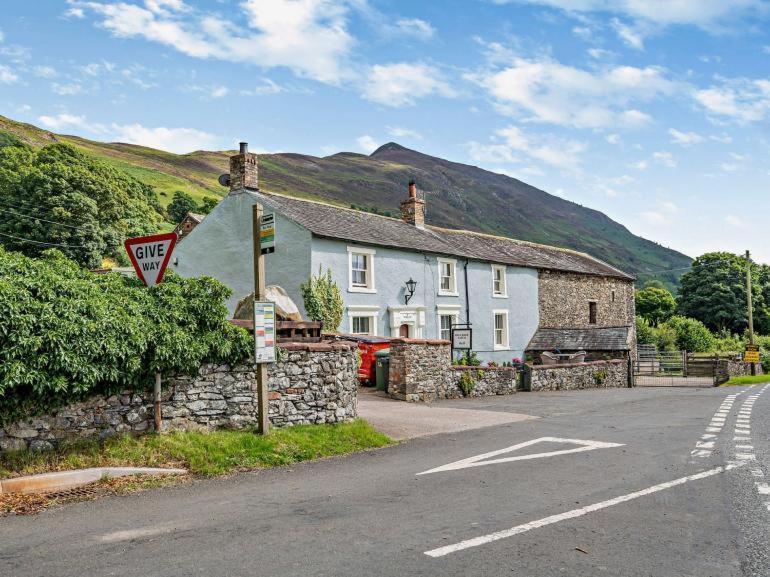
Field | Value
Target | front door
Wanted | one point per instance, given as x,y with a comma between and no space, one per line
403,331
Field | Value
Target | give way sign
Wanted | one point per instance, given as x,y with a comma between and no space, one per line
150,255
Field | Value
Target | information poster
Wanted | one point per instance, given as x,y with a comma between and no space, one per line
264,332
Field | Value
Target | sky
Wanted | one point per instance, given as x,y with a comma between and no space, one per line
655,112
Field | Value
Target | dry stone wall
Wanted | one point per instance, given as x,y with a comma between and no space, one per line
421,371
311,384
597,374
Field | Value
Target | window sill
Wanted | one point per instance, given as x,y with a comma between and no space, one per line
495,296
448,294
502,348
360,289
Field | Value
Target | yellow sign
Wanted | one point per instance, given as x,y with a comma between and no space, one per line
751,354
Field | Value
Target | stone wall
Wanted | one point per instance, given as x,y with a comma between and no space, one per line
597,374
421,371
564,297
311,384
737,368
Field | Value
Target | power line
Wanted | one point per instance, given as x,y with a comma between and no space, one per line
45,243
699,265
44,220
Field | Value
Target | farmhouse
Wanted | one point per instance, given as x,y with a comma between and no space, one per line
402,277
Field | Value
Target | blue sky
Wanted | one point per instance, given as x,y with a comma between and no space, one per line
656,112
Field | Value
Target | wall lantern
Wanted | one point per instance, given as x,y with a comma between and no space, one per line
409,292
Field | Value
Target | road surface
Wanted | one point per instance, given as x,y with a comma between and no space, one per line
629,482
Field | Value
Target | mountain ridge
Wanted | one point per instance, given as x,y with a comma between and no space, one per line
458,195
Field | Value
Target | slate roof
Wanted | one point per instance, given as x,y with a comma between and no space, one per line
327,221
591,339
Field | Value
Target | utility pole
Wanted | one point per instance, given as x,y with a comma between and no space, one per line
751,308
263,424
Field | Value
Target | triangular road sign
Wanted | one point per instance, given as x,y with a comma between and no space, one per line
150,255
486,458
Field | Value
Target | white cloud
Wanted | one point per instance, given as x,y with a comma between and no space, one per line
685,138
704,13
416,27
367,143
740,99
612,138
179,140
401,132
547,91
723,138
2,36
7,76
640,165
208,91
664,158
733,220
308,36
77,13
70,89
65,120
403,83
663,214
630,35
601,53
44,71
509,143
97,68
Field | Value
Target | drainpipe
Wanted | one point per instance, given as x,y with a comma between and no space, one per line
467,301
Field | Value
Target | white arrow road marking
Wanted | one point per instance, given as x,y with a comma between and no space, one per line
484,539
481,460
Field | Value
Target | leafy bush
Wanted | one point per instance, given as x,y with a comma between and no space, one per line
654,304
323,300
645,334
665,337
691,335
58,195
467,383
66,333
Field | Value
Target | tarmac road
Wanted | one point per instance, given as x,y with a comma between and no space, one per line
628,482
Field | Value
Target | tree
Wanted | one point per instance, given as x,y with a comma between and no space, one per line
58,196
208,204
655,304
181,203
645,334
654,283
714,292
323,299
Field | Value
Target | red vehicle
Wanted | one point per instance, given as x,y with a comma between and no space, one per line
368,346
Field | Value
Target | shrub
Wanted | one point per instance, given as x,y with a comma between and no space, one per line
467,383
645,334
691,335
323,299
181,203
655,304
66,333
665,337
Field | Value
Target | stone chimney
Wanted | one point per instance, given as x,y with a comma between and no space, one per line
243,169
413,209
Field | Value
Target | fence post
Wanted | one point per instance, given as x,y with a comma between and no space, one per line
630,371
684,364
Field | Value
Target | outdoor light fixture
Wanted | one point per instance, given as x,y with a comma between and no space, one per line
409,292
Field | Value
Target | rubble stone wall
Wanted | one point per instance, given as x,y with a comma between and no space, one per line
311,383
593,375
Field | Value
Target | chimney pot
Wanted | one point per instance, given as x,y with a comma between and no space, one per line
244,146
412,189
244,171
413,209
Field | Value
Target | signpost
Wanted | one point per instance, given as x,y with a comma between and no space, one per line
267,233
150,256
751,354
462,338
257,219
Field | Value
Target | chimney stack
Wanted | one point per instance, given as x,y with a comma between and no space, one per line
244,172
413,209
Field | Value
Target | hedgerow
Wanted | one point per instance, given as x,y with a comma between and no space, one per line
66,333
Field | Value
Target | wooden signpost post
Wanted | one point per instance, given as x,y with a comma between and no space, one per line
265,317
150,256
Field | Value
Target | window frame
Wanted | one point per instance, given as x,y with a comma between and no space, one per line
369,253
503,279
452,292
370,312
593,313
506,346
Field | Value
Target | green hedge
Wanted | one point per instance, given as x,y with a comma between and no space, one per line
66,333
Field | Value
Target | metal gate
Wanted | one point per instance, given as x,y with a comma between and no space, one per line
653,368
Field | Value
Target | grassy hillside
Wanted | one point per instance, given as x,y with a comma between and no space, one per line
458,195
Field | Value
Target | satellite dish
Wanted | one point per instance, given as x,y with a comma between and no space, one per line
224,180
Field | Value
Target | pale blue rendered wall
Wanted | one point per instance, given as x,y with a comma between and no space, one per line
394,267
220,247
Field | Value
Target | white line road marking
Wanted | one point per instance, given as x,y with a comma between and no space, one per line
757,473
479,460
700,453
707,436
741,438
714,429
745,456
763,488
745,447
705,444
484,539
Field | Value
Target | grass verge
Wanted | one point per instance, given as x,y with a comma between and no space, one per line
747,380
203,454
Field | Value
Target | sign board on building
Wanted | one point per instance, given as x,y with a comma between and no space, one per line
264,332
462,339
267,233
751,354
150,255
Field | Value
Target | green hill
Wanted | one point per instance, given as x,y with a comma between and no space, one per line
458,195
